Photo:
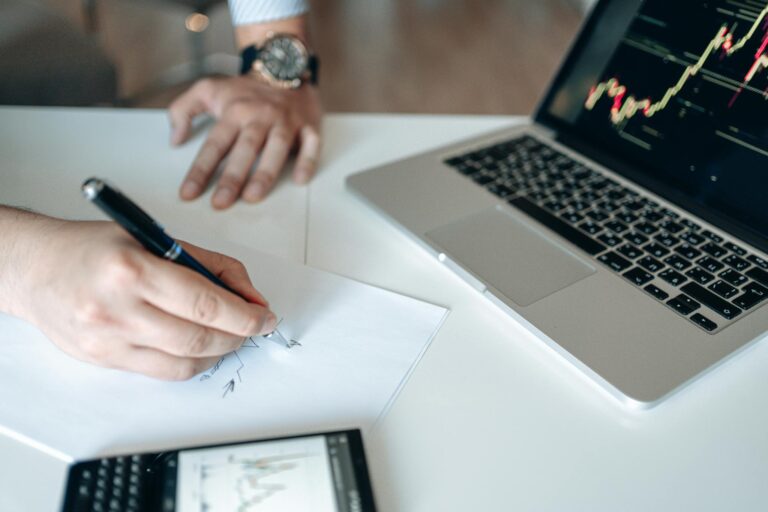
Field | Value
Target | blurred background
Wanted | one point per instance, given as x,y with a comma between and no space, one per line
421,56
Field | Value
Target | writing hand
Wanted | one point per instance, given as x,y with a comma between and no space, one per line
102,298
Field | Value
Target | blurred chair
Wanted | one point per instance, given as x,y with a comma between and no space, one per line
45,60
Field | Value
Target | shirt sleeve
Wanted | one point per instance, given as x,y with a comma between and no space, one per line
262,11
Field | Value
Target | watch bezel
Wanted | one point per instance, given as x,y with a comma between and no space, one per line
262,71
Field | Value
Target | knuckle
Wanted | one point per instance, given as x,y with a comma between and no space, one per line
198,343
253,325
123,269
206,307
92,313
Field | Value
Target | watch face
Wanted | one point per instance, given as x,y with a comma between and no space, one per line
284,58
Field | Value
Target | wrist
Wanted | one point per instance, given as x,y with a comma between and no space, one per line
21,247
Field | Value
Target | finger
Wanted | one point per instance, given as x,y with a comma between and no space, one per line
271,162
158,364
206,162
241,159
183,111
177,337
309,154
181,292
229,270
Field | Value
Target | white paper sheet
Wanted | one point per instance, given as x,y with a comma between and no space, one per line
358,346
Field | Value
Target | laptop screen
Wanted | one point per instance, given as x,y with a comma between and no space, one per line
674,94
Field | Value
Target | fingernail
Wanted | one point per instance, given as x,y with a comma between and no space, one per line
189,189
253,192
270,324
222,197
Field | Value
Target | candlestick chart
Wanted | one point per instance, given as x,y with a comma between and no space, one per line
683,63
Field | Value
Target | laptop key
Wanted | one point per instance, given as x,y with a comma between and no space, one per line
723,289
560,227
677,262
753,294
704,322
666,239
650,264
656,292
759,275
734,278
614,261
630,251
760,262
710,264
671,226
646,227
715,238
687,251
736,262
635,238
735,248
616,226
712,301
700,275
713,249
683,304
609,239
590,227
656,250
692,238
673,277
638,276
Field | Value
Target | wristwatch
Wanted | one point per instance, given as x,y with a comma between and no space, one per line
283,61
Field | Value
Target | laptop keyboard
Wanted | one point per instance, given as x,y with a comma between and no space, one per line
695,272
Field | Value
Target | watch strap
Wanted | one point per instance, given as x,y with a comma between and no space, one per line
248,57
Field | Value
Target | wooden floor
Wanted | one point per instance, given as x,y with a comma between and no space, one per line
423,56
450,56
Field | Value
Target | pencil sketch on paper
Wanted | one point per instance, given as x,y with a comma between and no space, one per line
234,363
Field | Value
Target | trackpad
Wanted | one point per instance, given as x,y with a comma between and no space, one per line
510,256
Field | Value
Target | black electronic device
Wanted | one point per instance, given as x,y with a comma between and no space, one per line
319,472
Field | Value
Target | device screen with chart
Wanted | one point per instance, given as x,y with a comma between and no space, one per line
320,472
680,90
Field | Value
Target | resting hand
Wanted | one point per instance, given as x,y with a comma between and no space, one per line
254,121
102,298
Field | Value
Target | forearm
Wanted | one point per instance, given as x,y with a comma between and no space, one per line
20,235
257,33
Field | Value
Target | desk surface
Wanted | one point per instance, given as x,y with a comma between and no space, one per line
491,419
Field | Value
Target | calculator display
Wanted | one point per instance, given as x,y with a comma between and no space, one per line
290,474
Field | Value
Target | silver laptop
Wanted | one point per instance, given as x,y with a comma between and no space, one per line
626,225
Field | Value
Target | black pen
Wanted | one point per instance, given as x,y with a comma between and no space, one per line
143,228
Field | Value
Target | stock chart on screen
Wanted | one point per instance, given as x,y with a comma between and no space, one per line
680,88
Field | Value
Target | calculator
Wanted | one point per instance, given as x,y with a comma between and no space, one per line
323,472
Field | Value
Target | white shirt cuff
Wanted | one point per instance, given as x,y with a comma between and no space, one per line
261,11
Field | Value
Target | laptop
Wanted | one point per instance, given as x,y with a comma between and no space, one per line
626,224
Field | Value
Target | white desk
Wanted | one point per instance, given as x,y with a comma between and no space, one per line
490,419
